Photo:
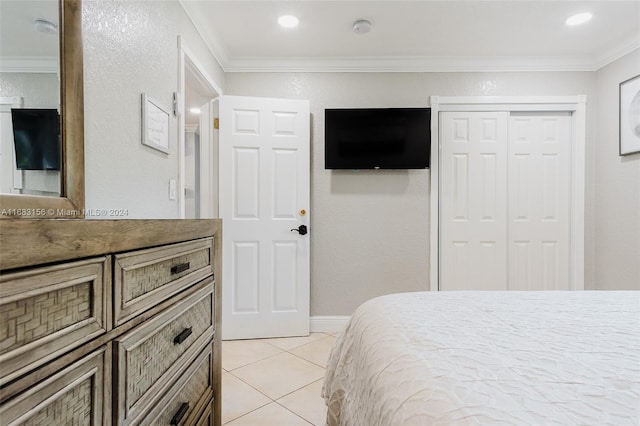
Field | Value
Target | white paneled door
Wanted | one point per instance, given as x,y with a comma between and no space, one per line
473,246
264,203
505,200
539,200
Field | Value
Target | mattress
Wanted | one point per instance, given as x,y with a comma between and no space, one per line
488,358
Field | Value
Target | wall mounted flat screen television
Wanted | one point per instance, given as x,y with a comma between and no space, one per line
377,138
36,137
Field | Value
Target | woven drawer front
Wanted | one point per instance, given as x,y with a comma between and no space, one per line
73,408
33,318
46,311
149,357
147,277
193,391
73,396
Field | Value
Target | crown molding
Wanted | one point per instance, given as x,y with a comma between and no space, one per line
411,64
210,38
617,52
30,64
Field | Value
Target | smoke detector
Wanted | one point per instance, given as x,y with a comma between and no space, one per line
44,26
362,26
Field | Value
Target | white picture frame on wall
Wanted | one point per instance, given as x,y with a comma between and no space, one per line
630,116
155,124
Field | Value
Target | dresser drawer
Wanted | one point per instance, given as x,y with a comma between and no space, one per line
47,311
76,395
191,394
207,418
145,278
150,357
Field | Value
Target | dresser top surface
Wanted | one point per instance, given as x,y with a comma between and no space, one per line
26,242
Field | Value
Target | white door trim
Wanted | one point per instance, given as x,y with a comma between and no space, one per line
186,57
574,104
6,103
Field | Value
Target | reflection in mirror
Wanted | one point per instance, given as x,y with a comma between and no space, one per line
30,153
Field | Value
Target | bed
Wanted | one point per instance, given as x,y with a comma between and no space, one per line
486,358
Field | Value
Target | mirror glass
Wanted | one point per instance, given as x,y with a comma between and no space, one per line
30,140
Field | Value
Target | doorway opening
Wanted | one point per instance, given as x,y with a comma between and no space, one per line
198,138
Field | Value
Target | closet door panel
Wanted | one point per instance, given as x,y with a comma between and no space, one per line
539,200
473,236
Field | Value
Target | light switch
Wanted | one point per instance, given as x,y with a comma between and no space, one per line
173,188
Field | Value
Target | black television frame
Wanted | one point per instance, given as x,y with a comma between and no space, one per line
353,155
48,147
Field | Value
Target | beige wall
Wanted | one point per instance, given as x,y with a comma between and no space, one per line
617,186
370,230
131,47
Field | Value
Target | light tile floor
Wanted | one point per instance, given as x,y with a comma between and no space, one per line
275,381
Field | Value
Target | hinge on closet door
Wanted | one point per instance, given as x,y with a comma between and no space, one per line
216,123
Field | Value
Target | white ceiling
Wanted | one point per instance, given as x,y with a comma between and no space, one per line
417,35
21,46
451,35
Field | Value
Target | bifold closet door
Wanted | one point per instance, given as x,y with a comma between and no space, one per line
504,200
473,204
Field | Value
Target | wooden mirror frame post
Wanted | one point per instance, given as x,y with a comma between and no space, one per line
70,204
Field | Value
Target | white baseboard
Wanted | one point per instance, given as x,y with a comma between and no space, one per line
328,324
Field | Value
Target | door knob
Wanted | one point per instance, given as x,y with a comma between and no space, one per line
302,230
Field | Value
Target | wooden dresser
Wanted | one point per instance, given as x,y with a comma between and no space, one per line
110,322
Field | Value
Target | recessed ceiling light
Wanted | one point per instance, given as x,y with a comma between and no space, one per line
578,19
194,110
288,21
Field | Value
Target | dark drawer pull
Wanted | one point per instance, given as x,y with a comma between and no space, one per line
180,268
182,336
180,413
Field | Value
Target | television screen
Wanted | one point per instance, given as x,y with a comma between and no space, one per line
36,137
377,138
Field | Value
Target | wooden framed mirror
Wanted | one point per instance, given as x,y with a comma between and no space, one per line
70,204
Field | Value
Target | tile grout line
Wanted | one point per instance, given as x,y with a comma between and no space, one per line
296,347
255,389
249,412
256,361
319,396
281,352
280,397
324,367
294,413
271,400
289,393
279,348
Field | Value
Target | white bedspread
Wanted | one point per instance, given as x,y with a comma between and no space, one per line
487,358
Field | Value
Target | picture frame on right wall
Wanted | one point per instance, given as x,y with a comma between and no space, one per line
629,115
